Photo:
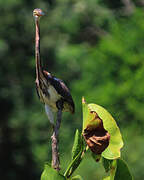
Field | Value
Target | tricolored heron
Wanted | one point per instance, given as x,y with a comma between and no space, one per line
51,90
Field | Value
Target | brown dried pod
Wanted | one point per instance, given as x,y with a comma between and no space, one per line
96,137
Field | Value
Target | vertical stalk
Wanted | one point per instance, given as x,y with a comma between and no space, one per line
55,141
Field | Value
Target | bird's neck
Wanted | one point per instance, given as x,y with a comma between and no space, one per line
37,49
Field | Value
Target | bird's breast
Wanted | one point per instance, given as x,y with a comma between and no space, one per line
48,95
52,98
53,95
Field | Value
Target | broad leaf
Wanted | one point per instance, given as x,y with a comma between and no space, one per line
96,137
119,171
122,171
116,142
50,174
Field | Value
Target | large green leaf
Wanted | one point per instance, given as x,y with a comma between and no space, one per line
122,171
119,171
116,142
50,174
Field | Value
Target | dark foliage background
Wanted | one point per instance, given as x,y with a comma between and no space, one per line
97,48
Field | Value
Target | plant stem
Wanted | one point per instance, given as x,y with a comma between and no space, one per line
54,137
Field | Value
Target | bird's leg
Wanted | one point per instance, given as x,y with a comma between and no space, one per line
55,140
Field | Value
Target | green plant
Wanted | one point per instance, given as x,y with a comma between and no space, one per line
102,136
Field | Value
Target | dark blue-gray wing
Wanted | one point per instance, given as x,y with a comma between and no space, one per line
61,89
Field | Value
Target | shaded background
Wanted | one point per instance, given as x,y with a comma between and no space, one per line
97,48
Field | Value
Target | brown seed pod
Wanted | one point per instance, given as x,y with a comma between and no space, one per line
96,137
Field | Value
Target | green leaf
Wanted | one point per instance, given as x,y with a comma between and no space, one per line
107,164
77,144
96,157
77,151
107,178
73,165
116,142
119,171
50,174
86,114
96,137
77,177
113,169
122,171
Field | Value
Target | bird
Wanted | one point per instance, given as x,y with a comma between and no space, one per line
52,92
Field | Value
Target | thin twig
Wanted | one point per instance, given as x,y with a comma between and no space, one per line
54,137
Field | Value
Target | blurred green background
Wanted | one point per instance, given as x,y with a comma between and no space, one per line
97,48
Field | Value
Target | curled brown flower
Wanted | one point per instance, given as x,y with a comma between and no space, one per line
96,137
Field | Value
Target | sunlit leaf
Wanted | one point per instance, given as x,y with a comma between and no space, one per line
107,178
116,142
50,174
86,114
96,137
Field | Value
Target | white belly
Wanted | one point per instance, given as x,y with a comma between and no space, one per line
53,97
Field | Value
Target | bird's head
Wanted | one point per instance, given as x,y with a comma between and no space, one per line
38,13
